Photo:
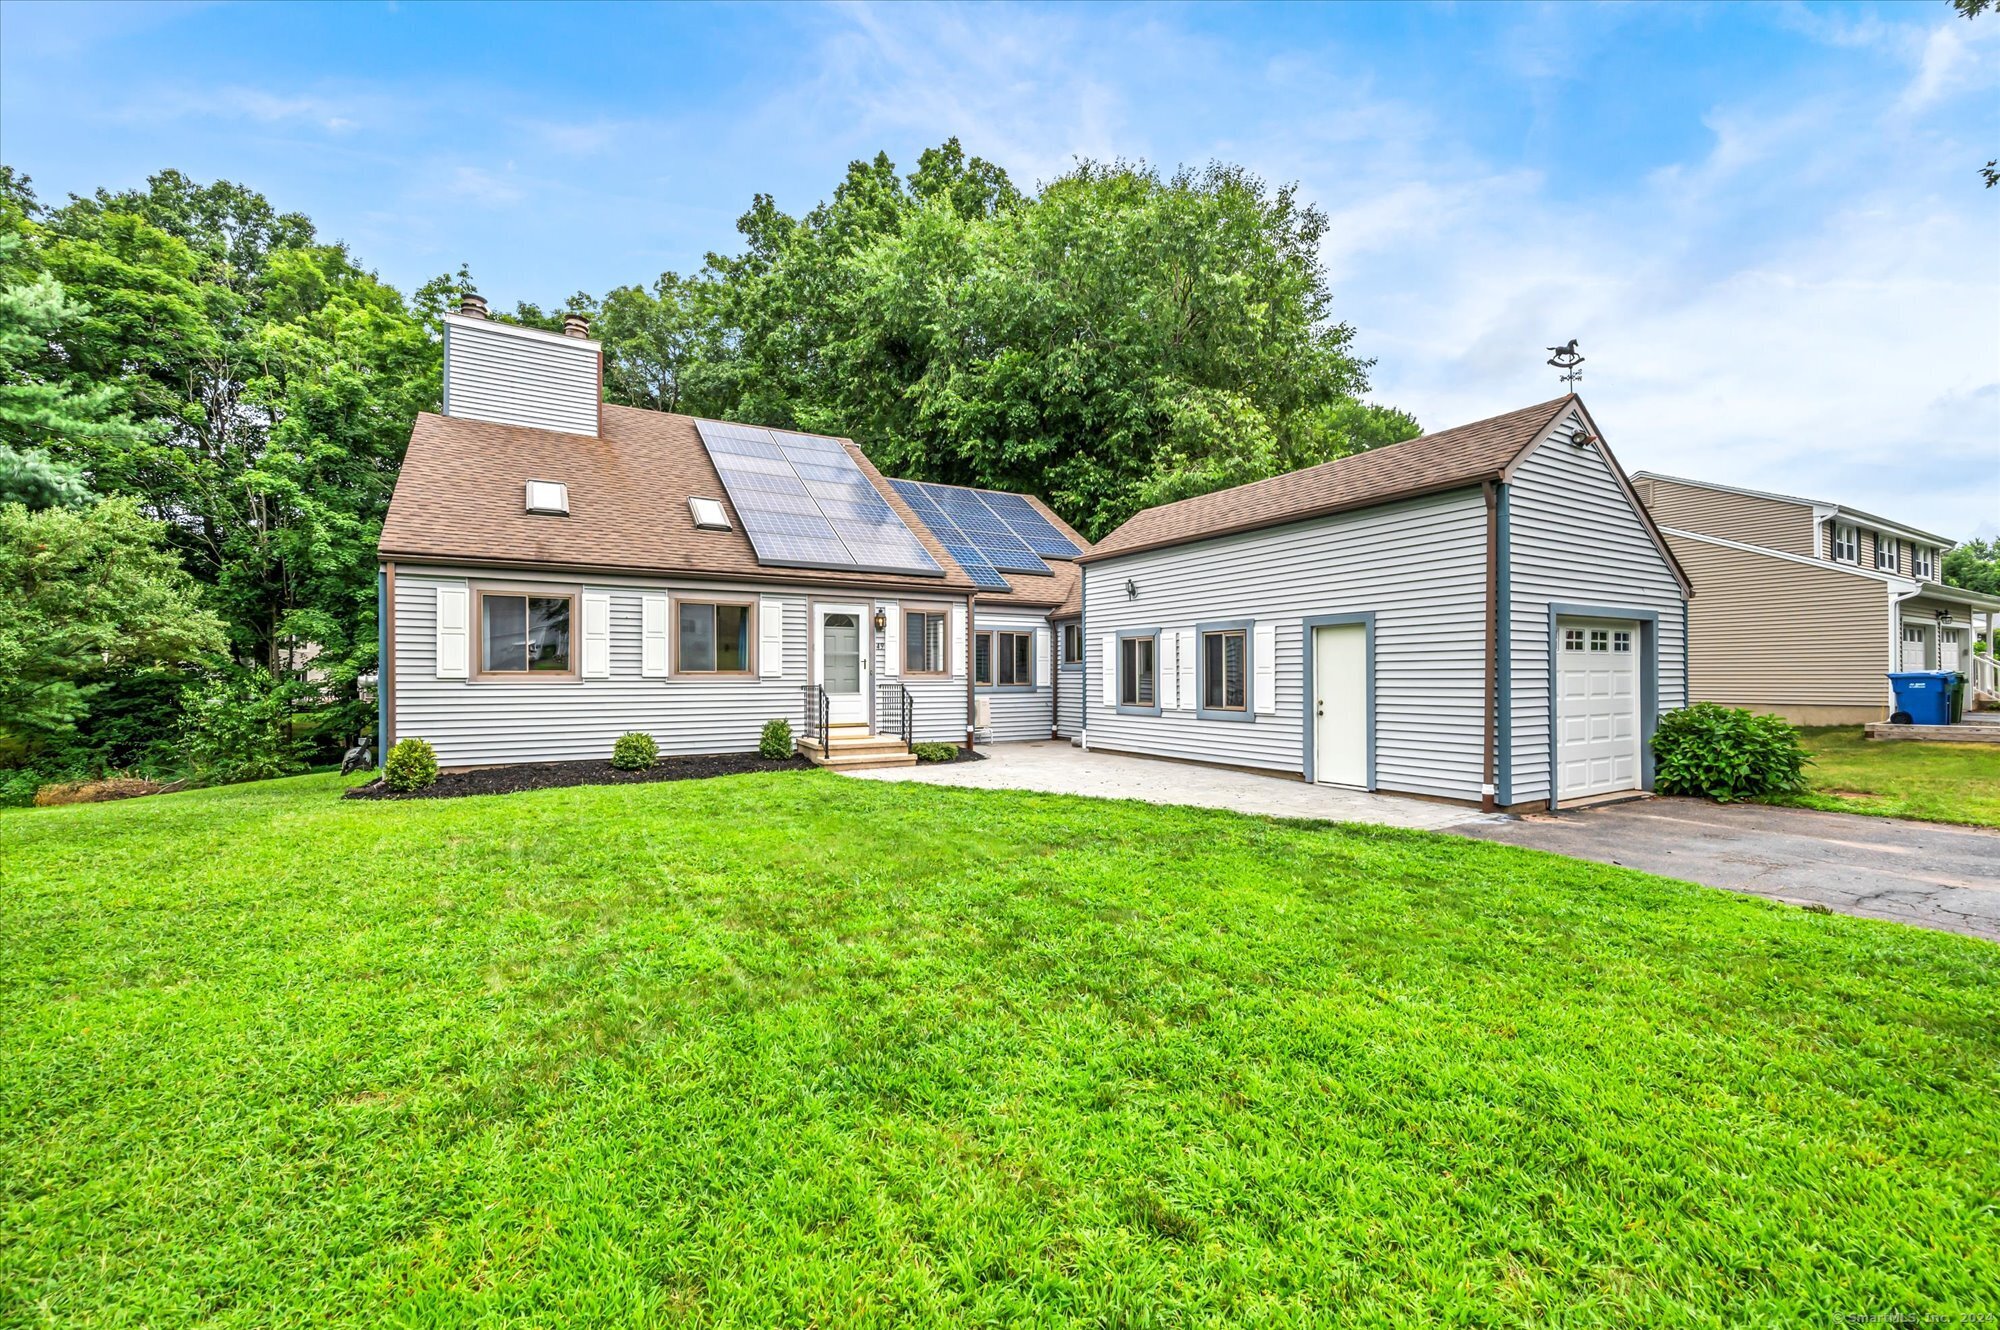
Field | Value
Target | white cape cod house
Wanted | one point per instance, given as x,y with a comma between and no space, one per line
1484,614
557,571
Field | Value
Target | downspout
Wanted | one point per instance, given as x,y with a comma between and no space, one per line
971,604
1083,640
1488,801
1896,634
381,654
1504,704
385,664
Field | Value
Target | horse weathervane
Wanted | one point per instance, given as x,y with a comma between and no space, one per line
1570,361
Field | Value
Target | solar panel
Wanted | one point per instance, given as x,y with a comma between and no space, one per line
963,551
1037,532
1006,550
971,517
806,504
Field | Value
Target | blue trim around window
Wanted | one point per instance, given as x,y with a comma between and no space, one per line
1649,683
1309,741
1082,646
1247,627
1118,666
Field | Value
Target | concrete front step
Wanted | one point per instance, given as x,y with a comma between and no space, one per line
857,750
1950,734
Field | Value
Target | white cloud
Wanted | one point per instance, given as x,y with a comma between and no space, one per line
1808,304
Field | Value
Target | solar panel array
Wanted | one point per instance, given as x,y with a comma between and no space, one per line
804,502
986,531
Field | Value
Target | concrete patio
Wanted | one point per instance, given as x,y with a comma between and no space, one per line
1057,768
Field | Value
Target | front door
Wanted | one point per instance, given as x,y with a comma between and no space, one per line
1597,707
840,661
1340,704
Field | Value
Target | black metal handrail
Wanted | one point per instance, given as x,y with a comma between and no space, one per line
909,718
818,714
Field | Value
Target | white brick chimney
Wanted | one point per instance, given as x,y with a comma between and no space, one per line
522,376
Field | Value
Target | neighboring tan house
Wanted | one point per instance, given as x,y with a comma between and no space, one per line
557,571
1802,607
1484,613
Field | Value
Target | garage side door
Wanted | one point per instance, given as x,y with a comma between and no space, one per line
1597,707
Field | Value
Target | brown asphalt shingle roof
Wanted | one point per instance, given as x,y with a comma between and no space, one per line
1448,459
459,500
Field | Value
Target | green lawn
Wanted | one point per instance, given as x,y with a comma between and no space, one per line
795,1049
1934,782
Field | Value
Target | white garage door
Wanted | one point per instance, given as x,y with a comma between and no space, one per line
1597,700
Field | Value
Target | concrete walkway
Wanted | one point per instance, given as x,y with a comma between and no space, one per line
1920,873
1057,768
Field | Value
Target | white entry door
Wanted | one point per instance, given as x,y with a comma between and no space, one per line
1340,704
1597,707
1948,645
840,661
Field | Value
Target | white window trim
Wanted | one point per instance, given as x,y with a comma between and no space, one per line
1846,543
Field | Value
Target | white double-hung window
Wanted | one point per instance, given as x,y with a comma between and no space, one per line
1846,543
1885,553
1923,560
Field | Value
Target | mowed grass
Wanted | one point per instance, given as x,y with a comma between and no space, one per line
792,1049
1932,782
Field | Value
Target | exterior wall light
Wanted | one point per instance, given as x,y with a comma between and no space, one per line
1131,589
881,619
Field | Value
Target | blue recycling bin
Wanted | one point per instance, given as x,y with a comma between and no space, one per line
1924,694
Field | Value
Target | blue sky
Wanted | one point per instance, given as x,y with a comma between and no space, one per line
1763,222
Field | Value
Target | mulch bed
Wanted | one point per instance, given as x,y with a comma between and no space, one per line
562,775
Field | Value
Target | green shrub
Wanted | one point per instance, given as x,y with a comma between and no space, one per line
776,741
412,765
1726,753
935,752
236,727
635,752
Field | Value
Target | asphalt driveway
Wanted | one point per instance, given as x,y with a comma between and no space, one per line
1885,868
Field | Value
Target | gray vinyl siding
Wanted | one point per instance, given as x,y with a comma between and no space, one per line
1418,566
1574,539
1020,714
1069,681
479,723
516,376
938,702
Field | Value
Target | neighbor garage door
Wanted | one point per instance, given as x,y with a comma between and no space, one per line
1597,707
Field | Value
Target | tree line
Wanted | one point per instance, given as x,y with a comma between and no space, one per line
204,404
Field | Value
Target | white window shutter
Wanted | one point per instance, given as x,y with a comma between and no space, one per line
892,641
1168,666
653,612
1267,668
596,635
1186,645
451,632
1111,669
770,638
958,640
1041,658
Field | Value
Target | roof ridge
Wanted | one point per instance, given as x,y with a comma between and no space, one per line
1331,462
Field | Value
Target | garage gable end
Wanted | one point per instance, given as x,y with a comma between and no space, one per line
1577,543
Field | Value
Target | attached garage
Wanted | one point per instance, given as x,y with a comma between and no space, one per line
1484,614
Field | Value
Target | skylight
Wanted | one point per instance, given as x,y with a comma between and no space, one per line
708,514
